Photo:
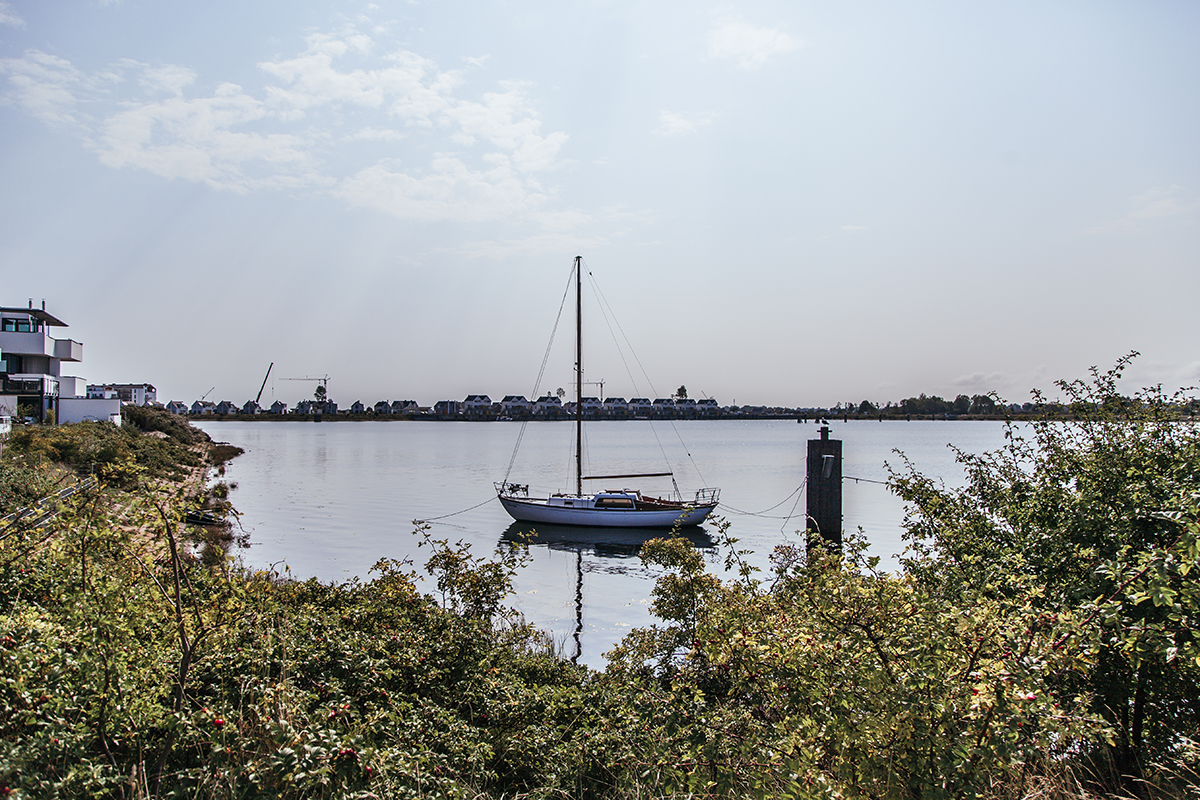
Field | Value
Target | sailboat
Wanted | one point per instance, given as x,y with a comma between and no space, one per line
610,508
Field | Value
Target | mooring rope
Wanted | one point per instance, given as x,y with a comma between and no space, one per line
763,513
455,514
863,480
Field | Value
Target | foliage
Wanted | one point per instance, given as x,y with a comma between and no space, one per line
470,585
24,481
1094,520
148,418
1044,608
122,452
838,679
126,672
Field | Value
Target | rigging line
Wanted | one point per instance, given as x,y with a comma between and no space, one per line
863,480
610,318
781,502
686,451
456,513
792,513
658,441
604,302
513,458
772,508
750,514
587,452
545,358
632,352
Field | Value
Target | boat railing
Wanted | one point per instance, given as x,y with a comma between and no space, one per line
706,496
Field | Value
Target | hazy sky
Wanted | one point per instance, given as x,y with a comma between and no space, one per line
784,202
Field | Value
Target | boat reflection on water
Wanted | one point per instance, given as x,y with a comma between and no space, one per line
598,542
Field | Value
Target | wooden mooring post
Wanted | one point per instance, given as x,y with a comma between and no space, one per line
825,488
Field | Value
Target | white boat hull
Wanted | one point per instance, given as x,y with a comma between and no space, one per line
617,508
534,510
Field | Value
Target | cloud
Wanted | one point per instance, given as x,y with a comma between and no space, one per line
377,135
1153,207
47,87
750,46
448,189
982,381
1189,373
9,17
1161,203
198,140
169,78
318,121
675,123
560,231
506,120
853,228
409,86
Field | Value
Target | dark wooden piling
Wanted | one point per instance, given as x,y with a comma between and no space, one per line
825,488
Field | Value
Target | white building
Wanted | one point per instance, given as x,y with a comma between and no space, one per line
139,394
31,369
515,405
548,405
105,392
477,405
640,407
615,407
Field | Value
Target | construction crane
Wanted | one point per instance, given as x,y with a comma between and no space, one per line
323,381
264,384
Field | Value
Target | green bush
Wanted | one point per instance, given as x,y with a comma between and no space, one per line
24,481
1092,520
123,453
1038,642
149,418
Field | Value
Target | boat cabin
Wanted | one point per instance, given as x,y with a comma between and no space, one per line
625,500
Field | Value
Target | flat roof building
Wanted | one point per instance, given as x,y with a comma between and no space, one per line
31,368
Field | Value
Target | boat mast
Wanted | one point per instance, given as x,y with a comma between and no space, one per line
579,375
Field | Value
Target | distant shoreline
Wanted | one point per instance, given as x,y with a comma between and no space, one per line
725,418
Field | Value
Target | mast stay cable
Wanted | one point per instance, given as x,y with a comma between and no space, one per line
541,372
610,319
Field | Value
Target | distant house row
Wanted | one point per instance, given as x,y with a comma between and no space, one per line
552,407
207,408
478,406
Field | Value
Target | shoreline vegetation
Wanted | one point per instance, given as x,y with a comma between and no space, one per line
1039,640
1181,411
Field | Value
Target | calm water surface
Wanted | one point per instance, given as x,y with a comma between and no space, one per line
329,500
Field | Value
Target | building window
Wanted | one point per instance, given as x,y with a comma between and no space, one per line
15,325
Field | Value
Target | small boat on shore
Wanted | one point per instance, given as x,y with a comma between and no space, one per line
612,508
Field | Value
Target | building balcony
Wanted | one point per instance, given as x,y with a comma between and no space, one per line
28,344
71,386
45,385
68,350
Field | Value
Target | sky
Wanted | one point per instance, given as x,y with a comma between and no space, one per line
782,203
